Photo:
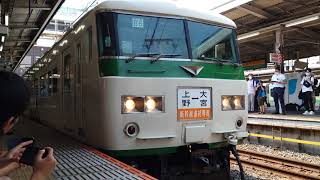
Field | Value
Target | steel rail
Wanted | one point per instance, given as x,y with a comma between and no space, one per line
280,165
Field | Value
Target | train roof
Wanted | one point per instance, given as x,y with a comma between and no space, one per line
165,8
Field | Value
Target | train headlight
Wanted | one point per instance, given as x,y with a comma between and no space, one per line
150,105
232,103
134,104
226,103
153,104
131,104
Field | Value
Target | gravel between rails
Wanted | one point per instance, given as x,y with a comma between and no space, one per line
314,159
257,174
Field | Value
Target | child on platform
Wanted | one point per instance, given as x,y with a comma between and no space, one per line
261,97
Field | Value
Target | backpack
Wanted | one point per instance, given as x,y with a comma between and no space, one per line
315,83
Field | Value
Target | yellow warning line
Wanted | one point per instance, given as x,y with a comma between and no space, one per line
285,139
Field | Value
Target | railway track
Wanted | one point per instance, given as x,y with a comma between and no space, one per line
279,165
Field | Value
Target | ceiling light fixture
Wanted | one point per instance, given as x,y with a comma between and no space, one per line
302,20
245,36
229,5
1,47
2,38
6,20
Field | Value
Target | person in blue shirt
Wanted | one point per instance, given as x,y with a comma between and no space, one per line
261,91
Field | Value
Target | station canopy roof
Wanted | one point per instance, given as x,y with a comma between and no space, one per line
25,20
258,20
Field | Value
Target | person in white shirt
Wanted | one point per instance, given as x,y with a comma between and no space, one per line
252,84
306,88
278,82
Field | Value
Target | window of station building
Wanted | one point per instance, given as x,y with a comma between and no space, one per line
51,26
61,25
67,26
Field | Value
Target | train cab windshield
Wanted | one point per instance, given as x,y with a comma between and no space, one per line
145,36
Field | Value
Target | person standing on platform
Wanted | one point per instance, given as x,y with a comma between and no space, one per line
14,99
252,84
306,88
278,81
261,95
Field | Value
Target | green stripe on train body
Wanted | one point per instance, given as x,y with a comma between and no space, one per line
143,68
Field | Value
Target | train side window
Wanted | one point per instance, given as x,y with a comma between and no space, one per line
67,73
49,81
89,44
54,81
78,57
106,40
35,87
43,86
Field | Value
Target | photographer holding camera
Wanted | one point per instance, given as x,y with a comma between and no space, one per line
307,83
14,98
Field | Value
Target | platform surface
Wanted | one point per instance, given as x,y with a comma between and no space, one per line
296,124
291,116
75,161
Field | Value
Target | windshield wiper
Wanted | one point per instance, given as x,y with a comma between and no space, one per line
141,55
163,56
211,59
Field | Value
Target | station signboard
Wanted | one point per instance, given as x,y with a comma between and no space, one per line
275,57
255,64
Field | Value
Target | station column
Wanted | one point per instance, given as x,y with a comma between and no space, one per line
278,47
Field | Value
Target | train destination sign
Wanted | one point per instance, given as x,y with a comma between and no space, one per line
194,104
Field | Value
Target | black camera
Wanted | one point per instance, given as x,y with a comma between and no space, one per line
29,155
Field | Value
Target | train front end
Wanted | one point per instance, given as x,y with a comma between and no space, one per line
168,83
171,87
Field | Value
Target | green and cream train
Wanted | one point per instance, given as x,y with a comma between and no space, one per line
140,77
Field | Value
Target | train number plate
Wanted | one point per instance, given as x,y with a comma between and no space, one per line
194,104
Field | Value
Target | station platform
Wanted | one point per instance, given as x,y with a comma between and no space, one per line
75,160
293,116
291,120
294,131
